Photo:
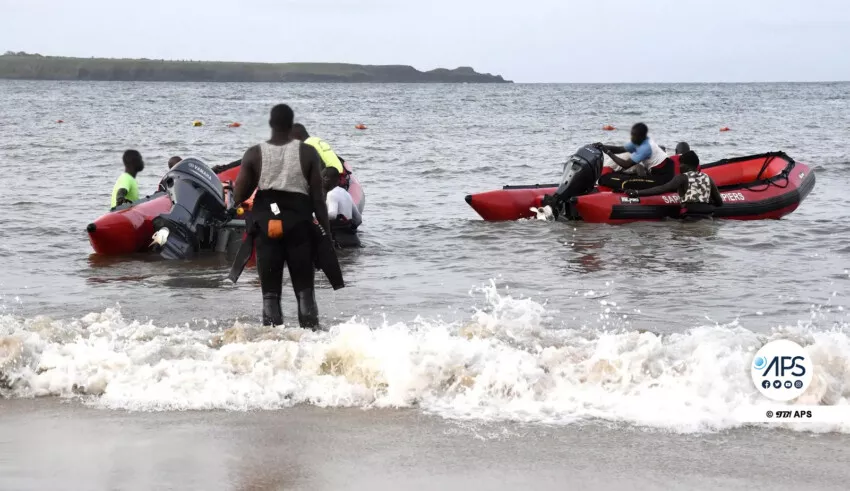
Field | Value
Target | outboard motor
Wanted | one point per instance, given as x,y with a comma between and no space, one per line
581,172
198,206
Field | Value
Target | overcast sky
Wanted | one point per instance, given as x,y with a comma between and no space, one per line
523,40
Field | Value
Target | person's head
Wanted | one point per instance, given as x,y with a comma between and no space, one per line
639,133
133,163
330,178
689,162
173,161
682,148
281,118
299,132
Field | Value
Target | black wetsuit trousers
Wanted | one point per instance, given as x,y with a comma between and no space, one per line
620,181
295,250
696,211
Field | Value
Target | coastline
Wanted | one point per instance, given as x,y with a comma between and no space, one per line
23,66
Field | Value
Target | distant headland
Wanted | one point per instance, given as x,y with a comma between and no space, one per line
25,66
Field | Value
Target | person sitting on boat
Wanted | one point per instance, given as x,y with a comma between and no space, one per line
698,194
126,189
173,161
681,149
344,215
329,158
645,153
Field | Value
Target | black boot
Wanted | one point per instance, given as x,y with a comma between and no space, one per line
272,315
308,311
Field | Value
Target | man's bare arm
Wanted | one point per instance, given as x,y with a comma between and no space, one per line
249,175
614,148
311,167
121,197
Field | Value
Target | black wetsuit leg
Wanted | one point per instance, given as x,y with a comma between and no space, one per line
299,257
270,259
295,250
302,272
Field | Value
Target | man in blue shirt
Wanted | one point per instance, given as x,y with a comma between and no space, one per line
645,153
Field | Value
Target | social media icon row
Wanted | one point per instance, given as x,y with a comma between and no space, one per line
778,384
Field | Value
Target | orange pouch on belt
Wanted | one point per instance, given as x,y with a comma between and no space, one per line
275,229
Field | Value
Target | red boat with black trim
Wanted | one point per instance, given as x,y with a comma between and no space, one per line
755,187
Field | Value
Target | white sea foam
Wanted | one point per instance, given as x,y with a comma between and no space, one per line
506,363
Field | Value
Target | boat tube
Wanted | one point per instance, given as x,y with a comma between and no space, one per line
755,187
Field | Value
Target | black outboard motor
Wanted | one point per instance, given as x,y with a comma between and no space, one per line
581,172
198,206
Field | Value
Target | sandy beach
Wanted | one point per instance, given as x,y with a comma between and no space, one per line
52,444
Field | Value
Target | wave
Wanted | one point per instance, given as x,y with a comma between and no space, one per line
507,362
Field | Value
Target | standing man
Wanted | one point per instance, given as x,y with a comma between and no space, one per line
287,176
126,189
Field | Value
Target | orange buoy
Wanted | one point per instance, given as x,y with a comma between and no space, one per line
234,125
608,127
725,128
60,121
360,127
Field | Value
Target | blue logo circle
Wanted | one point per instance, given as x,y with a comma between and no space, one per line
781,370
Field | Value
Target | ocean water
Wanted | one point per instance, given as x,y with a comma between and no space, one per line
648,325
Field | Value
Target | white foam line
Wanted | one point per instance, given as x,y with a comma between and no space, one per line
506,363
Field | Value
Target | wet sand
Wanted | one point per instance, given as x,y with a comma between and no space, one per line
49,444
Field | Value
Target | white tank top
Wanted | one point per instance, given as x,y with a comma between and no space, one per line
281,169
657,158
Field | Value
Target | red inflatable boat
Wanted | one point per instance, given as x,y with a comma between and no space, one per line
756,187
130,228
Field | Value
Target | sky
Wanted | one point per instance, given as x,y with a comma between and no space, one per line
522,40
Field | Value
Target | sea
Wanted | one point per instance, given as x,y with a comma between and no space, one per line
462,353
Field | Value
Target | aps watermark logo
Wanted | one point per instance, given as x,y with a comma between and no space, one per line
782,370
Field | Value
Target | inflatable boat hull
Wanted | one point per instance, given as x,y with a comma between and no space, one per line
766,186
130,229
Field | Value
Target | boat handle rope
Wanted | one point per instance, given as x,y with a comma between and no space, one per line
771,181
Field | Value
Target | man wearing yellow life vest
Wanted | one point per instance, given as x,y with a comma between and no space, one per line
329,157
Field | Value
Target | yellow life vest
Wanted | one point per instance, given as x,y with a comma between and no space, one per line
325,152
